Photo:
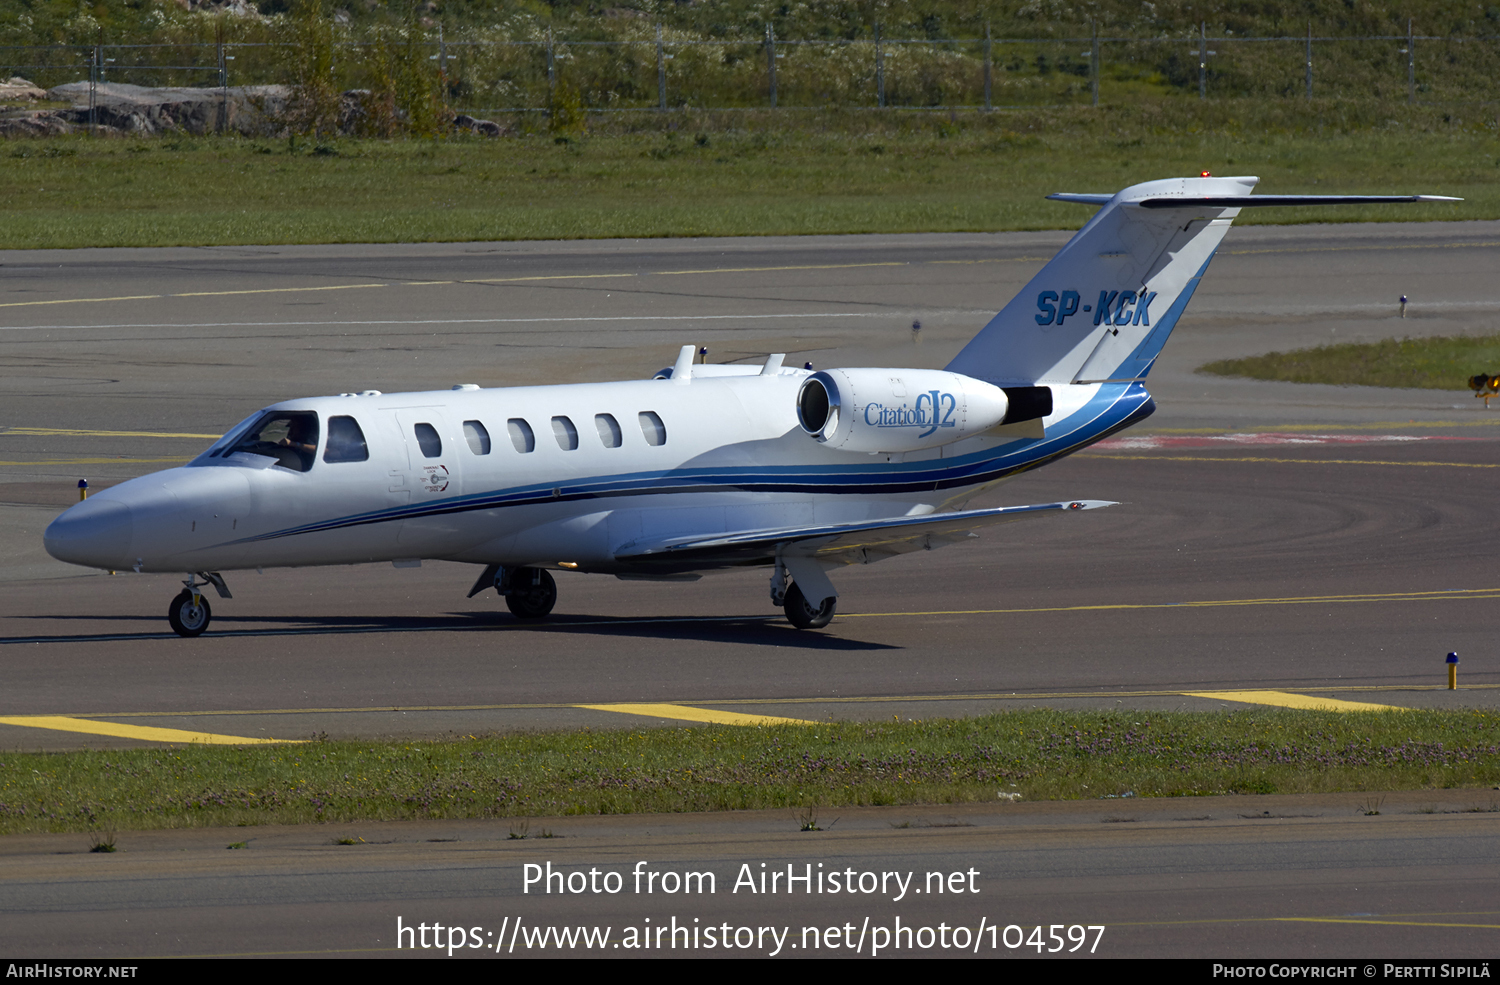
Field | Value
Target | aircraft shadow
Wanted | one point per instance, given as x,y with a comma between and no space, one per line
744,630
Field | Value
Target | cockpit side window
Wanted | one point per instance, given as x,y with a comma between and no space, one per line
289,436
346,442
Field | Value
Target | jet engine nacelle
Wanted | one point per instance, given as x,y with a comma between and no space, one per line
896,410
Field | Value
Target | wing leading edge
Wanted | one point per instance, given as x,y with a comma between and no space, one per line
836,543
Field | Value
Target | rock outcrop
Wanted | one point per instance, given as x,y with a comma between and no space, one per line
16,90
248,110
252,111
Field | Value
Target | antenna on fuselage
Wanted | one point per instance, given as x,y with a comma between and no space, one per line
683,371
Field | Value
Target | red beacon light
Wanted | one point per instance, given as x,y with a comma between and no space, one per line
1204,174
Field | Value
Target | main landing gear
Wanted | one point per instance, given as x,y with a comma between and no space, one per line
799,611
530,593
189,613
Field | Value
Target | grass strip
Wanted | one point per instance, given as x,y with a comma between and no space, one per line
1439,363
702,175
1040,754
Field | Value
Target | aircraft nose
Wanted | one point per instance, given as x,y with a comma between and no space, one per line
96,533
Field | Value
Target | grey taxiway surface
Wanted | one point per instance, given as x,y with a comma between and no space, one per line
1301,540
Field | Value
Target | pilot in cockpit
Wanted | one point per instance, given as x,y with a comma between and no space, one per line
301,440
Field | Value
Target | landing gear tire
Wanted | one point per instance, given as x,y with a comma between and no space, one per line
801,612
533,593
186,618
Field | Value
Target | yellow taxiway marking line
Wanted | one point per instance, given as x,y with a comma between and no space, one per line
477,280
686,714
1454,594
147,734
757,270
1293,428
70,432
93,461
1295,461
843,700
1387,923
1361,249
190,294
33,304
518,280
1283,699
1349,919
1393,923
273,290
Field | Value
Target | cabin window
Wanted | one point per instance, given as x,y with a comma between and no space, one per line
289,436
428,440
566,433
478,437
521,435
346,442
652,427
609,430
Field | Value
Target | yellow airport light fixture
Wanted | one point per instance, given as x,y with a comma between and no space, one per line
1486,386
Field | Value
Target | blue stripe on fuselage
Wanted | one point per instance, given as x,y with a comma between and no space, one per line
1116,406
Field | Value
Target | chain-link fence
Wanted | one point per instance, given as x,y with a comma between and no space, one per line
658,71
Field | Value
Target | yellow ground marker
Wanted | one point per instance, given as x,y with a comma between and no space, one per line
134,731
686,714
1285,699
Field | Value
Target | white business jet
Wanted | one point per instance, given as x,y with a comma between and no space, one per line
703,467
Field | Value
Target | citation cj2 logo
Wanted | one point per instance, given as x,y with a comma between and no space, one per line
933,410
1113,308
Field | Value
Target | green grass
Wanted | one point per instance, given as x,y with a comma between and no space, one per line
1039,754
1430,364
729,176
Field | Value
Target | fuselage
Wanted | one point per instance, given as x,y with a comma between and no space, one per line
541,476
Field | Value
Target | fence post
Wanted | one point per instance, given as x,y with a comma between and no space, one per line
223,119
661,72
1309,59
771,61
988,62
95,63
1202,60
1094,59
1411,64
551,74
879,70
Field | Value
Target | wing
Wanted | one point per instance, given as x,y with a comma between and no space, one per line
846,543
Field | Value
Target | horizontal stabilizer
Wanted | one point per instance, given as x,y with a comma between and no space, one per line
1250,201
1089,198
846,543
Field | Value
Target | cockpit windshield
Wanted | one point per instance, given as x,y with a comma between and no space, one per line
289,436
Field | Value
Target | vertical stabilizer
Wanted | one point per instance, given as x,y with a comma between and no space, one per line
1103,307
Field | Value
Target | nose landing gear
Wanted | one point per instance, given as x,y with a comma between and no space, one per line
189,614
530,593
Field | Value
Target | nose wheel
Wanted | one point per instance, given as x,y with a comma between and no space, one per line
189,614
